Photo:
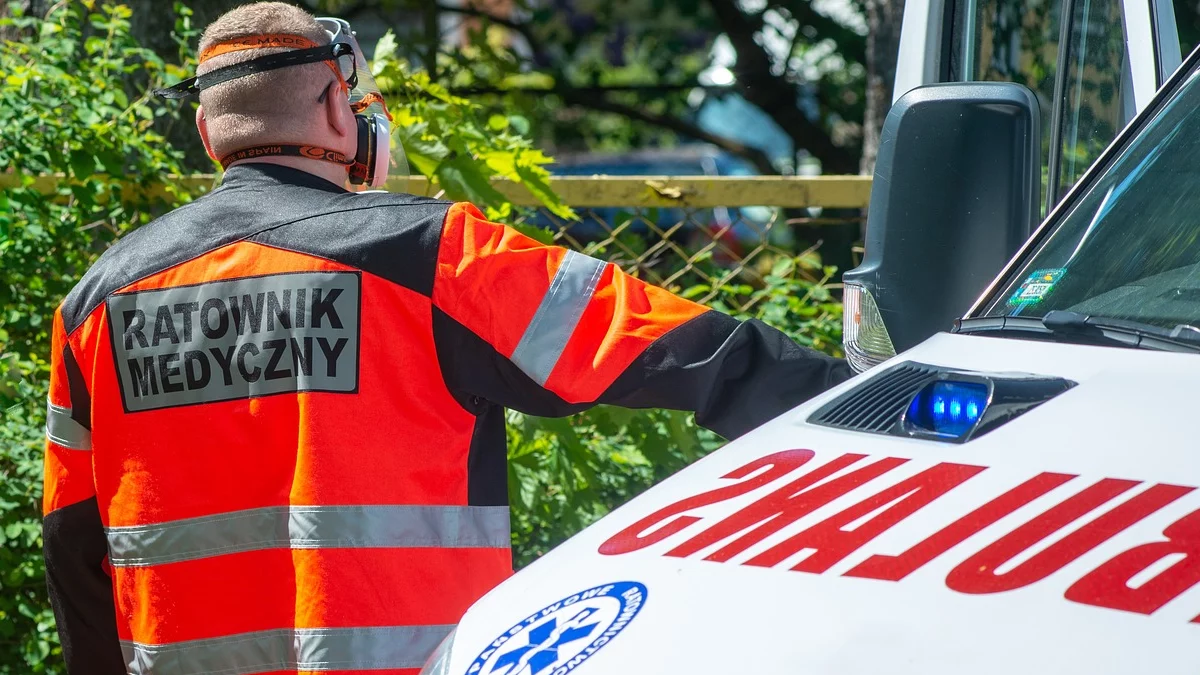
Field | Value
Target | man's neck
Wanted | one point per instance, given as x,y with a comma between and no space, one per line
334,173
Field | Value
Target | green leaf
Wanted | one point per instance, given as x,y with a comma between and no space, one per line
538,234
463,180
385,48
497,122
535,180
783,267
519,124
502,162
424,154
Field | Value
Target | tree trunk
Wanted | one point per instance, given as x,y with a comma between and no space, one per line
773,93
433,36
29,7
883,46
152,24
153,21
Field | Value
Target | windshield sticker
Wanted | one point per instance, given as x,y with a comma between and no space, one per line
1036,286
835,507
562,635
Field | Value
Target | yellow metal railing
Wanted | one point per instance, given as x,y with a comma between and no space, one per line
627,191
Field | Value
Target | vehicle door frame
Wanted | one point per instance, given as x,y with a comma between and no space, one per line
925,39
1151,38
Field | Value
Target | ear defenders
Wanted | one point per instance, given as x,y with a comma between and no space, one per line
371,159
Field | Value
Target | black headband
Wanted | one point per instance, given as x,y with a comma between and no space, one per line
296,57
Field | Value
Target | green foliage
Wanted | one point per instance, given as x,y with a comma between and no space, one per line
74,103
27,637
452,140
795,297
565,474
590,44
67,111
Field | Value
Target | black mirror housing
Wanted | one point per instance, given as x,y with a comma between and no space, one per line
955,193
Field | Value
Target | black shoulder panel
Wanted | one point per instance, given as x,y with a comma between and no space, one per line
145,251
389,235
394,236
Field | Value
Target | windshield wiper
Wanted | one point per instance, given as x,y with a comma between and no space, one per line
1077,327
1136,333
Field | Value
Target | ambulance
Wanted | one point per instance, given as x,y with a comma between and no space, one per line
1010,483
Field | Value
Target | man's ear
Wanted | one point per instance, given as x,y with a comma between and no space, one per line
340,118
202,127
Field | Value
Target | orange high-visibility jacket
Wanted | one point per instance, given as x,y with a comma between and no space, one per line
276,420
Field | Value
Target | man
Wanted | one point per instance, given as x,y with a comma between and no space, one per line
275,429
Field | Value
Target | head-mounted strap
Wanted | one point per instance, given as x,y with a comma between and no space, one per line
285,150
297,57
273,41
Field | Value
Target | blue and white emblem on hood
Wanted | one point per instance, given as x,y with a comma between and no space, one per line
562,635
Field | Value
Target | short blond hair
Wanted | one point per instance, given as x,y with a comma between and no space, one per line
268,107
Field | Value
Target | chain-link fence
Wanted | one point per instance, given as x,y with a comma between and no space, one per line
718,238
705,249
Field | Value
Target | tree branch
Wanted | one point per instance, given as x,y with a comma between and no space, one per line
431,50
774,94
596,89
524,29
759,158
850,43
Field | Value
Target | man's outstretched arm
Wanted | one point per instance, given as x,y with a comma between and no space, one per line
551,332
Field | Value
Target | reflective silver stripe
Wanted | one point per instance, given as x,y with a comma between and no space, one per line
558,314
62,429
373,648
309,527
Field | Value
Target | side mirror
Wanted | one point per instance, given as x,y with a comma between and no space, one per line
955,193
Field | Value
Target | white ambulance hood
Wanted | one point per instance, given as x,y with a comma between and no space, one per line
1091,585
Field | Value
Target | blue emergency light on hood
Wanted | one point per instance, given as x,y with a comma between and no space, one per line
936,403
948,408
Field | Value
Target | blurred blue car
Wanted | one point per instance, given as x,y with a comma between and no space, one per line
736,226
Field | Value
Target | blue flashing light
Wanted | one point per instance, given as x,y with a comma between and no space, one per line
948,408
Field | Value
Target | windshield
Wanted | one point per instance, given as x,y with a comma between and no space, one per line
1129,248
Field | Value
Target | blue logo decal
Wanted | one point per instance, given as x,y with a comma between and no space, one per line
559,637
